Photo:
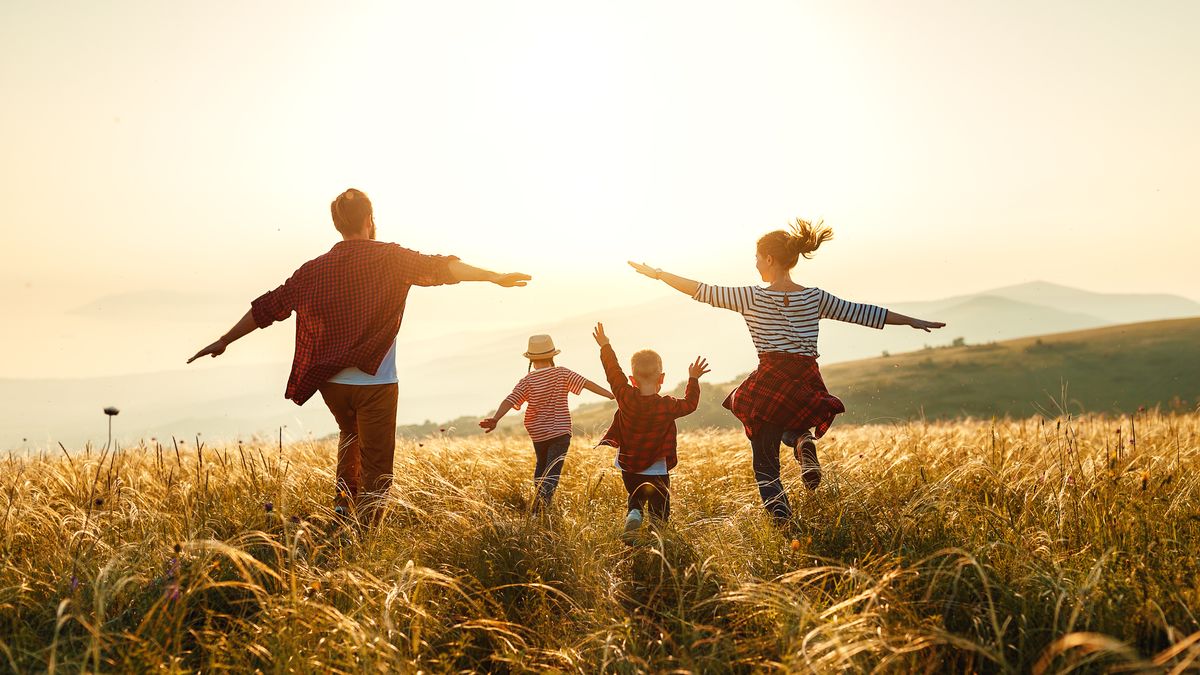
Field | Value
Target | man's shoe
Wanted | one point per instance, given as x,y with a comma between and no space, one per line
633,523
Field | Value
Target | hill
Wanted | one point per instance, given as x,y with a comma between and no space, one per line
1115,369
1110,369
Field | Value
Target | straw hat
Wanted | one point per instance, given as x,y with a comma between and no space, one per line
541,347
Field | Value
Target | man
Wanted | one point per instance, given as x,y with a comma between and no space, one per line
349,303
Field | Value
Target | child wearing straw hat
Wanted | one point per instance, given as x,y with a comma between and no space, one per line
547,418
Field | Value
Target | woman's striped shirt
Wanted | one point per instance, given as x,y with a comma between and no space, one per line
545,389
787,321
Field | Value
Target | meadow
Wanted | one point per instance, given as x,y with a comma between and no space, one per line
1031,545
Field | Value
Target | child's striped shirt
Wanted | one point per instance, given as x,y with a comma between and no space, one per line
787,321
545,389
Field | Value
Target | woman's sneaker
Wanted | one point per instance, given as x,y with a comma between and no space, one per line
633,523
805,451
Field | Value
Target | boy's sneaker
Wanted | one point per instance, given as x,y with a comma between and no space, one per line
805,451
633,523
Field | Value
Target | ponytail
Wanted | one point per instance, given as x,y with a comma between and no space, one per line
801,239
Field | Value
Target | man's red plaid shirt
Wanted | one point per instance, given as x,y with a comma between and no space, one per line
349,304
643,429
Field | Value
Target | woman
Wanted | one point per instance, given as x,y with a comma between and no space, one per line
785,400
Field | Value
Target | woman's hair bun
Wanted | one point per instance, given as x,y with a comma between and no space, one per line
800,239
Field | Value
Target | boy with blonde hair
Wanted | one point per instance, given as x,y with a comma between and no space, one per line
643,429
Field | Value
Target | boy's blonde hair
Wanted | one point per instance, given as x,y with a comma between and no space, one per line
646,364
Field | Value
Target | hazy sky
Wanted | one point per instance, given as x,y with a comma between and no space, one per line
953,146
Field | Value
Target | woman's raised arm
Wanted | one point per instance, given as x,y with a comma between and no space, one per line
679,283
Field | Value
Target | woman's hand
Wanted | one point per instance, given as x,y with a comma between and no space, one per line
489,425
644,269
921,324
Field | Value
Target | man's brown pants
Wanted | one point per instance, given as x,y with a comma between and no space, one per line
366,419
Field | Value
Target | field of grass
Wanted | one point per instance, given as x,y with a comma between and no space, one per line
1041,545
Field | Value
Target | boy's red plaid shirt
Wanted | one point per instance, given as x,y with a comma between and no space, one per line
643,429
349,304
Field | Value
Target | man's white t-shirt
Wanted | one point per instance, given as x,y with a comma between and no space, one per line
385,375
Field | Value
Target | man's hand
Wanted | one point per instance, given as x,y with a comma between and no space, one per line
598,334
489,424
921,324
643,268
700,367
214,350
511,279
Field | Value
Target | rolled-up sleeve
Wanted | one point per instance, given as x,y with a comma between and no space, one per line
418,269
275,305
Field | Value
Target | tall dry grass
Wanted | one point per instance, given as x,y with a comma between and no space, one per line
1012,546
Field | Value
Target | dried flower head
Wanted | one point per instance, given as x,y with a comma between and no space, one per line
111,410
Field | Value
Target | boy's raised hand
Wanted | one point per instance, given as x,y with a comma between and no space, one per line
598,334
700,367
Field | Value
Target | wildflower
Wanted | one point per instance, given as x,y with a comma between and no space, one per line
269,507
99,501
178,548
74,582
795,544
173,592
111,410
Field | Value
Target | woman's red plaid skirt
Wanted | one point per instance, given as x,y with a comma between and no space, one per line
787,390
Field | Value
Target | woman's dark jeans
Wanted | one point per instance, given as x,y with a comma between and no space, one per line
551,455
765,443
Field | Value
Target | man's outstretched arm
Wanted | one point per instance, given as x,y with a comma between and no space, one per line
243,327
464,272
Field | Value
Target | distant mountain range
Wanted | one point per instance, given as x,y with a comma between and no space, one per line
469,373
